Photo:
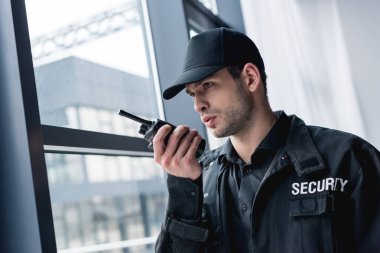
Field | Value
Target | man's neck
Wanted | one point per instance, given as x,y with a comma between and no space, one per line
246,142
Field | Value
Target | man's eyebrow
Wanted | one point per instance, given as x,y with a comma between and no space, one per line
196,84
206,80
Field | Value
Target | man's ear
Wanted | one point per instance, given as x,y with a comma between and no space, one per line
251,76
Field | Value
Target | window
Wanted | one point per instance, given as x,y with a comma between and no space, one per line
211,5
104,202
80,180
201,16
91,59
91,63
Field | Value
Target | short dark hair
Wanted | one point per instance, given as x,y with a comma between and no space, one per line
235,72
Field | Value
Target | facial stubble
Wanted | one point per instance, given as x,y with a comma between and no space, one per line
237,113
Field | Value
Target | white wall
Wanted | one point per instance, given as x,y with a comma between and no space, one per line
321,59
360,24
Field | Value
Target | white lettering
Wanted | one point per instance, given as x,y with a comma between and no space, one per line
311,184
304,187
336,181
295,190
329,183
321,186
342,184
326,184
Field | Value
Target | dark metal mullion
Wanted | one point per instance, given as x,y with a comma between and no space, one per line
72,140
206,12
33,127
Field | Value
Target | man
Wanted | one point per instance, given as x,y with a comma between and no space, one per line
276,185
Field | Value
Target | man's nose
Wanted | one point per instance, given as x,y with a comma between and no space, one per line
200,104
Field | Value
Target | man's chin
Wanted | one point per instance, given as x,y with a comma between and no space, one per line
218,134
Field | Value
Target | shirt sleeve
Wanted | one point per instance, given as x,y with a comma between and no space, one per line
366,198
185,198
182,230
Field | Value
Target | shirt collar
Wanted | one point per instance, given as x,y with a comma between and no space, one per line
228,153
277,134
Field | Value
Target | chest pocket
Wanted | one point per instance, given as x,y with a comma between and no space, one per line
313,229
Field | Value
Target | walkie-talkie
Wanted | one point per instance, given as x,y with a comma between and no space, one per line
149,129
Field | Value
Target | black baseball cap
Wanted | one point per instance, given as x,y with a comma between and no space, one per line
211,51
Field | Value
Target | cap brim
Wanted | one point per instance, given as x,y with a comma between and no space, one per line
190,76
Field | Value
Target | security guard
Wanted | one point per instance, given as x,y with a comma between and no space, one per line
276,185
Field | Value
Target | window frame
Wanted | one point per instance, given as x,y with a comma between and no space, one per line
43,139
200,18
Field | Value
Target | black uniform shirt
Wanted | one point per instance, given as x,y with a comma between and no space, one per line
244,181
309,155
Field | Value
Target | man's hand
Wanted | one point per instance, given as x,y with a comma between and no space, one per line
177,157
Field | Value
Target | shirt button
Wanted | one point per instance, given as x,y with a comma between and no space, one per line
244,207
192,193
249,171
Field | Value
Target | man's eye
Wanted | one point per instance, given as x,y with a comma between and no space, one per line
207,85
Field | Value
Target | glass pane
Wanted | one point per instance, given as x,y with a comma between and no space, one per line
106,202
192,32
90,59
211,5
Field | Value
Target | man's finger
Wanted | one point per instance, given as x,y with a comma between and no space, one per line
175,139
159,145
191,151
185,143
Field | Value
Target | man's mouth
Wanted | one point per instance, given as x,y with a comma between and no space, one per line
207,120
